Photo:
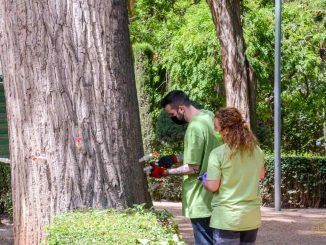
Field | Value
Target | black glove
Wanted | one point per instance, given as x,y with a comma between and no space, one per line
167,161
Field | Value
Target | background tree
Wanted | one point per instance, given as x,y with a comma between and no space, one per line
239,79
72,110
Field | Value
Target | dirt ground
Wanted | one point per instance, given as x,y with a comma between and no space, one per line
6,237
290,226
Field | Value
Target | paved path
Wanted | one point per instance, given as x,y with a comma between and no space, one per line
288,227
6,236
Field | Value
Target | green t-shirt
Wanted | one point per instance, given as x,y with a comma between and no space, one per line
200,139
236,204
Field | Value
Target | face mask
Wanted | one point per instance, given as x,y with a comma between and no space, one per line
178,121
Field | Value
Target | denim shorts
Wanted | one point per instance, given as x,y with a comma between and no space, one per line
202,232
226,237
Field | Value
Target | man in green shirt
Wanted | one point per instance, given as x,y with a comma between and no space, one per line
200,139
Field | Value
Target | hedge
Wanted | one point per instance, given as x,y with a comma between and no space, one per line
303,183
143,55
131,226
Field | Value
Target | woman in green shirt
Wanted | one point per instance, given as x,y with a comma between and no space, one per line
233,174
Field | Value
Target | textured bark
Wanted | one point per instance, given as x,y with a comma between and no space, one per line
71,99
238,76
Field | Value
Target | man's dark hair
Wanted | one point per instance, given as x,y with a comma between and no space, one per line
175,98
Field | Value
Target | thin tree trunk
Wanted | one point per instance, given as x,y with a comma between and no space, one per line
72,108
238,76
131,6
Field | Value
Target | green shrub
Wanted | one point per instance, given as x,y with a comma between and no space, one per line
303,182
131,226
168,132
170,189
143,55
5,189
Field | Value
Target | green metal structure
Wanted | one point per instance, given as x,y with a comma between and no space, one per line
4,141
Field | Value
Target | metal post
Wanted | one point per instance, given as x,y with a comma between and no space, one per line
277,106
324,139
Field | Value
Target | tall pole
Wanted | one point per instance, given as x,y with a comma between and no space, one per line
277,106
324,139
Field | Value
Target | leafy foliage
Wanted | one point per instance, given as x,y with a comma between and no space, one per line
170,189
131,226
169,132
186,55
303,70
5,189
193,58
143,54
187,49
183,58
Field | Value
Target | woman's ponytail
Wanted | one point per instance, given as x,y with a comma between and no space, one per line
239,136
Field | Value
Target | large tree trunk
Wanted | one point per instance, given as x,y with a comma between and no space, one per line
239,79
75,136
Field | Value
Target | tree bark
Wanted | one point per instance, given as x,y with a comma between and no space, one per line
74,127
238,75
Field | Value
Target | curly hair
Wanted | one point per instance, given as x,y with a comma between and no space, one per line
239,136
